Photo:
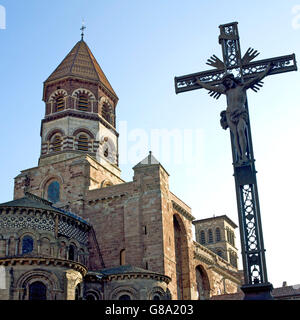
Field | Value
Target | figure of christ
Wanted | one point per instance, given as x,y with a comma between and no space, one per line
236,116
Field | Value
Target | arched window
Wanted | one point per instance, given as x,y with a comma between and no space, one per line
53,192
90,297
202,237
210,236
27,244
218,235
124,297
71,252
83,143
56,143
37,291
59,103
83,102
122,257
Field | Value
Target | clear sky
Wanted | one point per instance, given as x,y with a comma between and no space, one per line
141,45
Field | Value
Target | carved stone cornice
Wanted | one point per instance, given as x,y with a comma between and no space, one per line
44,261
128,276
181,210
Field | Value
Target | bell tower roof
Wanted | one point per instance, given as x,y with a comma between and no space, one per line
80,63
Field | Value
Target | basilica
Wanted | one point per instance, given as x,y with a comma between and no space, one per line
76,230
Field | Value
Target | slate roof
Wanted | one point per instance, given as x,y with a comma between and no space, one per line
81,63
32,201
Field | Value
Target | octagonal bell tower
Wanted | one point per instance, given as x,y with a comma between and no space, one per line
80,112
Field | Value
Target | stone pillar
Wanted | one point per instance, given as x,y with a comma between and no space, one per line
73,279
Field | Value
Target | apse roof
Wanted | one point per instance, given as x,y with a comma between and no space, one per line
33,201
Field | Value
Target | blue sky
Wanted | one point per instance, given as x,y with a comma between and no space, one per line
141,46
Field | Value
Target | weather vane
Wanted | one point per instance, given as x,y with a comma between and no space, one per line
82,30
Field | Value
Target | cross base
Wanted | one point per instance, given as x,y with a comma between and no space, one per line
261,291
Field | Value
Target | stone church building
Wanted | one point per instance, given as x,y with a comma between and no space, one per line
77,230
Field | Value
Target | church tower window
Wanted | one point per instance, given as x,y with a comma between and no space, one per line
59,103
56,143
83,143
83,102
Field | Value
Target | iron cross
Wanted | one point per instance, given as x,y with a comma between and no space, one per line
232,77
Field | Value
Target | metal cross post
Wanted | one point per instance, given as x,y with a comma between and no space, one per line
244,74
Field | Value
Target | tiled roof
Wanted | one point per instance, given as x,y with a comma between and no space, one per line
81,63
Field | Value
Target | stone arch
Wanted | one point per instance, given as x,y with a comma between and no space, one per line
123,290
49,279
181,258
79,91
84,130
56,93
106,183
156,291
92,294
202,283
53,132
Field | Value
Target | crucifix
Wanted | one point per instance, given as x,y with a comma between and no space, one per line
233,77
82,30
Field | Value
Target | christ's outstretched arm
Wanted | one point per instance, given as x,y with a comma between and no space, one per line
248,84
220,88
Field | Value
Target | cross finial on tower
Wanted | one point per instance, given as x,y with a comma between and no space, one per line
82,30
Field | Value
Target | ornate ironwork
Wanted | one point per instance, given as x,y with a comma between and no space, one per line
214,77
244,69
